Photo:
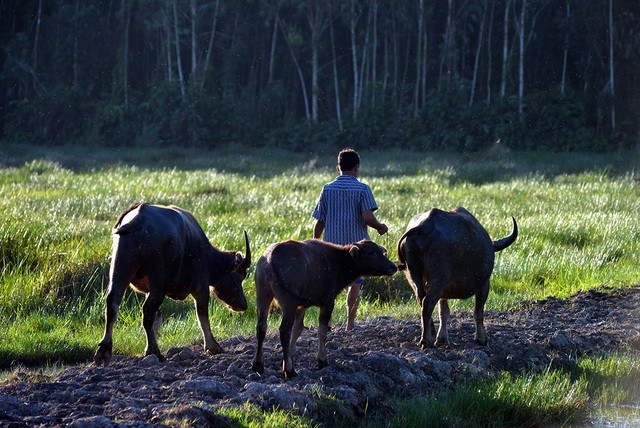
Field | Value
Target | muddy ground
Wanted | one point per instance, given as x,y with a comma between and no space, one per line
379,359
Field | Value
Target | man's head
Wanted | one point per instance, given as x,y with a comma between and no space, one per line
348,160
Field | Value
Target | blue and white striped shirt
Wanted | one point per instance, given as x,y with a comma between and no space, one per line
340,207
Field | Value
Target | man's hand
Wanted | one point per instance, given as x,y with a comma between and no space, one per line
371,221
382,229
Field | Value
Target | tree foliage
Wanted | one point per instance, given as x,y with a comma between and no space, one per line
384,73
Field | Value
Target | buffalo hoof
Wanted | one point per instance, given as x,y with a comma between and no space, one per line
214,351
443,342
258,367
481,342
290,374
102,356
321,364
424,345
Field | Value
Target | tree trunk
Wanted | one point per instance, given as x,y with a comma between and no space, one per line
300,75
228,84
336,81
385,78
125,65
76,36
272,56
445,48
424,66
416,88
194,44
316,20
521,61
566,49
167,28
611,68
396,64
477,59
178,58
489,52
364,59
405,74
315,90
35,44
505,50
207,59
354,60
374,56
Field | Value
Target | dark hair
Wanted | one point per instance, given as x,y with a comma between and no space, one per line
348,159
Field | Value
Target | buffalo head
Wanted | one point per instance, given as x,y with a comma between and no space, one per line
371,259
229,287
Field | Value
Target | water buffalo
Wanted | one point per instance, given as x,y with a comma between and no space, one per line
449,255
300,274
162,251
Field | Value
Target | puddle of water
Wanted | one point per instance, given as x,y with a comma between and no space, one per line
616,417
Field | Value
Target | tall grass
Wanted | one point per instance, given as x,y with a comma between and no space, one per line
525,401
577,216
556,398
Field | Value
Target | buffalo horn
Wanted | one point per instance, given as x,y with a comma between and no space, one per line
247,258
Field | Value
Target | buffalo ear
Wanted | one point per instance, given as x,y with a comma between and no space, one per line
239,260
354,251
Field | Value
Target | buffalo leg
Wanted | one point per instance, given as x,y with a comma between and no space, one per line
150,308
416,277
115,292
419,282
202,310
428,305
288,319
323,328
298,326
264,298
480,337
443,332
353,301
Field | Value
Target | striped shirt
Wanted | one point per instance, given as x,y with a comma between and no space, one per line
340,207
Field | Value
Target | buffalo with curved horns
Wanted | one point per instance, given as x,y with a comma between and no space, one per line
162,251
449,255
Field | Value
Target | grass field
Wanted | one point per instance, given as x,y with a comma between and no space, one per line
577,214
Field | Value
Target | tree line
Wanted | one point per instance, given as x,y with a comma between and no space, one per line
444,74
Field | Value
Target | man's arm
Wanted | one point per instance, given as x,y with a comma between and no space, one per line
372,221
318,229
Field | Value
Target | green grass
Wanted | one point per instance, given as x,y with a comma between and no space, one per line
577,214
553,398
529,400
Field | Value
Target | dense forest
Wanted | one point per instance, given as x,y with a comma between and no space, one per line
418,74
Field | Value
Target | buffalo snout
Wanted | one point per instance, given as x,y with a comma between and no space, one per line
391,269
385,267
237,303
240,306
232,294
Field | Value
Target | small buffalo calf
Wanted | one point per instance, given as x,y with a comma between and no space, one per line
300,274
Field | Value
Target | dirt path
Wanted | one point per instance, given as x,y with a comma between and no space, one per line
377,360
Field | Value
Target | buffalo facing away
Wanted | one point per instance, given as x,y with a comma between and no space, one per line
162,251
449,255
300,274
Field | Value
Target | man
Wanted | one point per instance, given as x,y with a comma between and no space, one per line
343,212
